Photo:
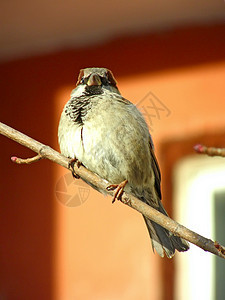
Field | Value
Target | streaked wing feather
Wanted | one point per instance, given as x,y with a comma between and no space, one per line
156,170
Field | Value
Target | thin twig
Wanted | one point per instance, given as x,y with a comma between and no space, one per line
101,185
211,151
27,161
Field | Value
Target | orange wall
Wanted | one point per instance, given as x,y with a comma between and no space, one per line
95,250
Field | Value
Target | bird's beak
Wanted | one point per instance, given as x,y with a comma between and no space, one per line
94,79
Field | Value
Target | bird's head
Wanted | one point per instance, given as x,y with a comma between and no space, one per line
94,81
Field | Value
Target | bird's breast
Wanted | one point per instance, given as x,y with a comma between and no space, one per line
113,142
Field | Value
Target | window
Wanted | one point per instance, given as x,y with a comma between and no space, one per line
199,185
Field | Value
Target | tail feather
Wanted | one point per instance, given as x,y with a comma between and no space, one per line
163,241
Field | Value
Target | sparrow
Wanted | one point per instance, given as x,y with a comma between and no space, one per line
110,137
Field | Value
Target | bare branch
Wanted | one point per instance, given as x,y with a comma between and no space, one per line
211,151
101,185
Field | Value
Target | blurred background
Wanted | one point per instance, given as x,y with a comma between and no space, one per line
60,239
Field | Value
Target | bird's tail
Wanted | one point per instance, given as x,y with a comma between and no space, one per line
163,241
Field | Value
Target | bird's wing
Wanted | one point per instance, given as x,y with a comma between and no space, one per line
156,170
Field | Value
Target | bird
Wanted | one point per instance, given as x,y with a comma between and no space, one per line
107,134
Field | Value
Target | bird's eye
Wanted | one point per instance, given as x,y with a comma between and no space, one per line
104,81
83,80
111,79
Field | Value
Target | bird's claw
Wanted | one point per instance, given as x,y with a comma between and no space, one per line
119,189
71,165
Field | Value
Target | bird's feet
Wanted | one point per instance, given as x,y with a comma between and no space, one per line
71,165
119,188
